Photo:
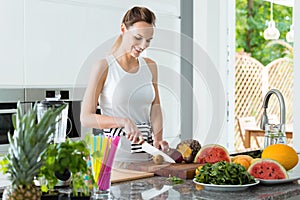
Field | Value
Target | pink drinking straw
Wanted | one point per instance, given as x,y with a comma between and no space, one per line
104,160
104,182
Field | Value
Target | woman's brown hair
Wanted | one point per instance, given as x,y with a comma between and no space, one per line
135,14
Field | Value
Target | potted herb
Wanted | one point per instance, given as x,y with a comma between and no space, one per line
63,159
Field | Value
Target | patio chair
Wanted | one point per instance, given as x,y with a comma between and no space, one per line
250,123
244,123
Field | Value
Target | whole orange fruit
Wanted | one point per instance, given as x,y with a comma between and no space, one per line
282,153
243,162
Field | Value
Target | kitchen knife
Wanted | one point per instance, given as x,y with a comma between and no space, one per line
154,151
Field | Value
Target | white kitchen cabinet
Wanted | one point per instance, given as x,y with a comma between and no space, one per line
64,38
11,43
60,36
54,42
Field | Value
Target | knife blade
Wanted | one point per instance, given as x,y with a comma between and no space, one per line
154,151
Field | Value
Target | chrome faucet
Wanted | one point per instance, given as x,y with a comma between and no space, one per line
274,133
264,119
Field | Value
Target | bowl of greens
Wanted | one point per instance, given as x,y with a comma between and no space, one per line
224,176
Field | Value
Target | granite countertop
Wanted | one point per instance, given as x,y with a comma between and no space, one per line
159,188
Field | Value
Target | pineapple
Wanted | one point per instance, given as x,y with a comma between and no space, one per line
23,161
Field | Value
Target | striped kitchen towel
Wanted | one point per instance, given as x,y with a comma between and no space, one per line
145,129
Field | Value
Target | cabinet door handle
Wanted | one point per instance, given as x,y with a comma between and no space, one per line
8,111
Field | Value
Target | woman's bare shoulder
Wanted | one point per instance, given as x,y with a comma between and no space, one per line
152,65
99,70
149,61
101,64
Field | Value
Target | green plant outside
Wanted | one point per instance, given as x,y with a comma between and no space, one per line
251,21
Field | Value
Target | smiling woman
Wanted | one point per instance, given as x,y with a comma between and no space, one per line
125,84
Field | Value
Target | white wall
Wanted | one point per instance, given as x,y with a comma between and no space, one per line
211,35
296,123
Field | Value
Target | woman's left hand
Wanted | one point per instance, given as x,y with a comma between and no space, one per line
162,145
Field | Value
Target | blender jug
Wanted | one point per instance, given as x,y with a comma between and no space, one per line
62,119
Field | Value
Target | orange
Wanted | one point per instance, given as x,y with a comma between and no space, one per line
243,162
282,153
247,157
197,171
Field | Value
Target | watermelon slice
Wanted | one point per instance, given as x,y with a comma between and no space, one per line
212,153
267,169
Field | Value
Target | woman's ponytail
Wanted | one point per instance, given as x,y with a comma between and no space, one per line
116,44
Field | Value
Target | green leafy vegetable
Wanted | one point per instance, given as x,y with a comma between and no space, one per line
175,180
224,173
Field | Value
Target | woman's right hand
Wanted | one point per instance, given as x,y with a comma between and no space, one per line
132,132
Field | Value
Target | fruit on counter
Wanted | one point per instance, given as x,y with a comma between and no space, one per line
212,153
158,159
282,153
197,171
267,169
246,157
174,154
244,160
224,173
189,149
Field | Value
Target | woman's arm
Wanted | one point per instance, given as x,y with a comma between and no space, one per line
88,116
156,114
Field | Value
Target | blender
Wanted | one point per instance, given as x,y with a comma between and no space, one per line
59,135
62,119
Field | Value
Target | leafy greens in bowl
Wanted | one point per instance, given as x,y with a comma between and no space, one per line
224,173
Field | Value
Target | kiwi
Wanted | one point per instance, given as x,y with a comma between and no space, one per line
158,159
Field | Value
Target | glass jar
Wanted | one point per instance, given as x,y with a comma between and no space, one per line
274,134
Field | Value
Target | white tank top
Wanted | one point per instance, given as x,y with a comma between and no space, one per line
127,95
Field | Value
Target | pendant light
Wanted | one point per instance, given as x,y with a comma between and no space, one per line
271,33
290,35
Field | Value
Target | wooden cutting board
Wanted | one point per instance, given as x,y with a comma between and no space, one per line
120,175
181,170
